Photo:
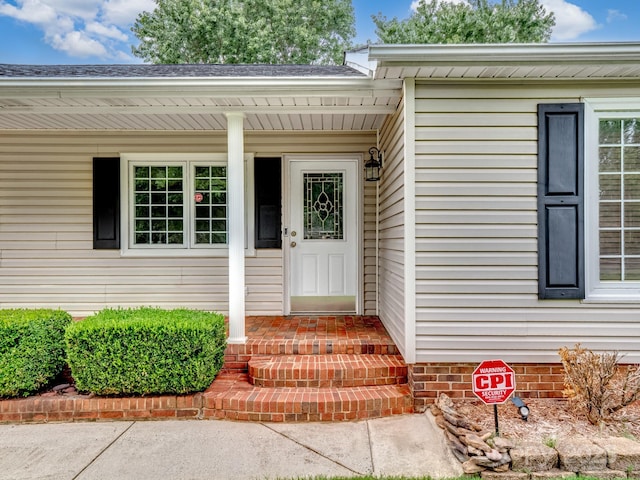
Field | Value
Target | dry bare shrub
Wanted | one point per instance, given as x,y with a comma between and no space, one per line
596,384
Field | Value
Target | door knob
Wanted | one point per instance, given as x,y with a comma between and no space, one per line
293,244
293,233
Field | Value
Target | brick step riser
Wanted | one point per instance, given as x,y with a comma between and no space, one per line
333,371
288,405
237,357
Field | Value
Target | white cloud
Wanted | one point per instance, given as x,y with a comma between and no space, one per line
82,28
78,44
571,20
102,30
125,12
614,15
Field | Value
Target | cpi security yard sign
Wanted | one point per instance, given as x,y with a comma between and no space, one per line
493,382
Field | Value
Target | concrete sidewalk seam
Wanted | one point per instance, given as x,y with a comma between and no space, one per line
316,451
370,442
102,451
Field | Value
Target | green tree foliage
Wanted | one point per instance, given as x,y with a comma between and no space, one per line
245,31
476,21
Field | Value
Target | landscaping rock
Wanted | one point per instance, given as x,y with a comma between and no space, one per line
534,457
622,453
476,442
469,467
604,474
576,454
503,444
489,475
552,474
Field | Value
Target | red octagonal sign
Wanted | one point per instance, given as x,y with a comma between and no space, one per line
493,381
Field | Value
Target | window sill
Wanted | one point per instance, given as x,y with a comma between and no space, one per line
182,253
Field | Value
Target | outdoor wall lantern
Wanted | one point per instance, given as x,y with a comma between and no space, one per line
373,166
522,408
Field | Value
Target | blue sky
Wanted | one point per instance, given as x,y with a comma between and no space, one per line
98,31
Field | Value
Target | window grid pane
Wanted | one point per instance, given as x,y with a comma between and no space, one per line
619,200
158,205
210,197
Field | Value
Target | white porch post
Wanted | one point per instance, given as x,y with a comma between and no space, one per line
235,192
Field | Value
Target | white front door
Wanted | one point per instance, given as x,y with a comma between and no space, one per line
323,236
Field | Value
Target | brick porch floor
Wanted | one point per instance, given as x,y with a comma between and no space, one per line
298,368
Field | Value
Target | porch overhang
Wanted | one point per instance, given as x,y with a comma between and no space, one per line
551,61
351,102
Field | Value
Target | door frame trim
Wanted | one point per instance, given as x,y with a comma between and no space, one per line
288,158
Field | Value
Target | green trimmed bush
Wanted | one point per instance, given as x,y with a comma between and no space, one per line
32,349
146,350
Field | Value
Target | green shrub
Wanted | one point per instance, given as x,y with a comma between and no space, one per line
31,349
146,350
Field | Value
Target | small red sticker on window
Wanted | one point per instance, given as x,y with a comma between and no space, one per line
198,197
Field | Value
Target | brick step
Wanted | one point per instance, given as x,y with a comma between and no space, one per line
327,370
237,356
232,396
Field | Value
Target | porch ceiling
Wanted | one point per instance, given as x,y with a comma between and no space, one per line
337,102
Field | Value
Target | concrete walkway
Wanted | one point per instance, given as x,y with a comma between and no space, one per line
409,445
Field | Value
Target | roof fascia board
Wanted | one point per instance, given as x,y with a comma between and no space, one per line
186,87
506,54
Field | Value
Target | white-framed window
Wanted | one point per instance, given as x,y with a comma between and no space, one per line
612,188
177,204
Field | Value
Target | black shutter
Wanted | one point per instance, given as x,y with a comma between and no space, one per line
268,202
106,203
561,201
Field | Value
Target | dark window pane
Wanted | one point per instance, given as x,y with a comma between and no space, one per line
174,211
610,188
202,226
202,172
175,238
158,172
142,225
203,238
609,159
632,242
157,212
141,172
631,131
142,211
219,198
610,214
142,185
158,238
218,225
610,269
610,243
632,214
632,159
632,186
202,184
159,225
610,131
218,238
174,172
632,269
218,212
142,238
202,211
175,226
219,172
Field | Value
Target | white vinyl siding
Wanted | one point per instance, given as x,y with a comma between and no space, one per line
476,230
392,228
46,242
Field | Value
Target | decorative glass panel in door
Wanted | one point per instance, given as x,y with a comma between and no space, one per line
323,209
